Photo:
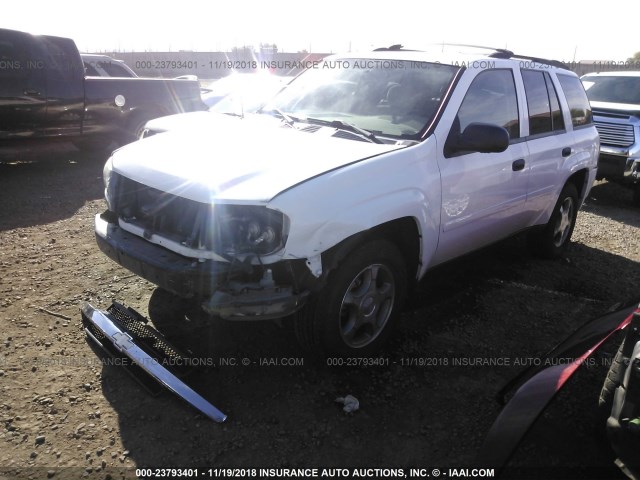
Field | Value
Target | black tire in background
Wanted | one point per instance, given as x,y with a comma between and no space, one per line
613,380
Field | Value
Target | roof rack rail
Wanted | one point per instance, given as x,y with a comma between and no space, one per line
497,53
544,61
507,54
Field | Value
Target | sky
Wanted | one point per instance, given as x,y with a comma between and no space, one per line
566,31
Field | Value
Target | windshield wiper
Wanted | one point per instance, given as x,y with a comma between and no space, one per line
339,124
288,119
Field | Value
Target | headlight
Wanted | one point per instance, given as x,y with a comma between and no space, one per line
107,173
250,229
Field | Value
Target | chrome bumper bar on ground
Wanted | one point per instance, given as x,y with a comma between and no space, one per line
109,330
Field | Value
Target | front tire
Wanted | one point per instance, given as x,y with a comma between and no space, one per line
169,312
353,314
552,240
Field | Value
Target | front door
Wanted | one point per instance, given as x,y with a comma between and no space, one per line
483,194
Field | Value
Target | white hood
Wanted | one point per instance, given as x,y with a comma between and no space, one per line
237,160
628,108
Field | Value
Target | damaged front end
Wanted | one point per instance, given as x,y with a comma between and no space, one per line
263,300
122,334
225,256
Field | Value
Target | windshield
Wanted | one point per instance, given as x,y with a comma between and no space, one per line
393,98
612,89
114,69
242,93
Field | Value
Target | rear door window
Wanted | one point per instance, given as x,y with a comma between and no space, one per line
545,115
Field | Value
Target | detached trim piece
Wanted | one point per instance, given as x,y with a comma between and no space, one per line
124,343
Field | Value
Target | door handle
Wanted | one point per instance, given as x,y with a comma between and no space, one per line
566,151
518,165
32,92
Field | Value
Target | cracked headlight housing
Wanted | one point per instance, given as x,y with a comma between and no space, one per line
246,229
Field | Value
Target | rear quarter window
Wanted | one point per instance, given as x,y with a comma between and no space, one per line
577,99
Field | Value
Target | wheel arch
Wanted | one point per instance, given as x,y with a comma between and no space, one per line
580,180
404,233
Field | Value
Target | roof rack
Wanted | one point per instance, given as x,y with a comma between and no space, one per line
497,53
507,54
544,61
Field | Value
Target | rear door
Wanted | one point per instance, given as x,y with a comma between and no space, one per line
23,94
548,140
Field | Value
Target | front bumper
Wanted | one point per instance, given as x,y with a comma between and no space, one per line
183,276
121,334
616,165
234,291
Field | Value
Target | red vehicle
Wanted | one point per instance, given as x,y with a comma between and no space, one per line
619,403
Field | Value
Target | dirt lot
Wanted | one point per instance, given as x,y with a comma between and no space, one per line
65,414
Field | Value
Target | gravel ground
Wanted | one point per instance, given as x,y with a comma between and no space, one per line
428,405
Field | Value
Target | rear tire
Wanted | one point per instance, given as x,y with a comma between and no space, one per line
353,314
552,240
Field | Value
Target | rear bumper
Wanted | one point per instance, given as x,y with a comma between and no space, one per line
121,334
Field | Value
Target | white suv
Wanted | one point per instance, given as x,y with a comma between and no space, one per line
354,181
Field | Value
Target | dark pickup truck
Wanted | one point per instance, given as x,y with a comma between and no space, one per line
44,94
